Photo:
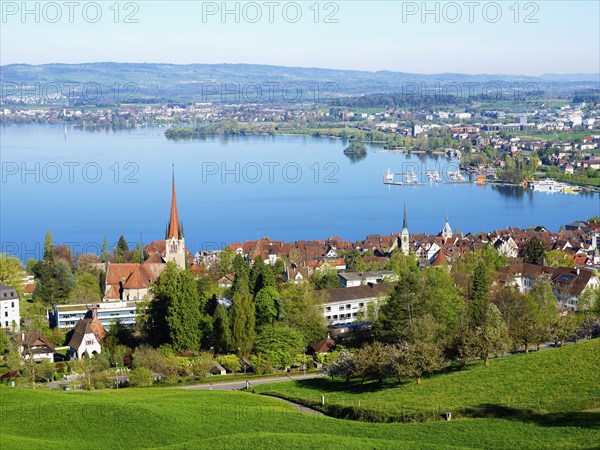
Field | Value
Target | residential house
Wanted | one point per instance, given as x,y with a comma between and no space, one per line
343,305
10,317
86,337
525,275
570,283
35,345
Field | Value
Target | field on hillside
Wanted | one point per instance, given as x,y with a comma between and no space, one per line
555,380
178,418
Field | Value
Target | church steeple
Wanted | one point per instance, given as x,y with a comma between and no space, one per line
174,241
174,230
446,232
405,237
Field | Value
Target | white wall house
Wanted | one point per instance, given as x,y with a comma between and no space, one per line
524,276
10,316
35,345
86,337
344,304
569,284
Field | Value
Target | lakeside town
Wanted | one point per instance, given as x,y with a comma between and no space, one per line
74,316
547,145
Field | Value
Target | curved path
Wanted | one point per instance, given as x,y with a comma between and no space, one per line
241,384
299,407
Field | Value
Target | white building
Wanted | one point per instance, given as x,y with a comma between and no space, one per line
9,308
86,338
35,345
67,316
353,279
343,305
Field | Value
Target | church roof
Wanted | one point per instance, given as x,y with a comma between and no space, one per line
138,279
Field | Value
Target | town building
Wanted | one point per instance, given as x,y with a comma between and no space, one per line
86,337
346,305
10,317
405,236
35,345
129,283
349,278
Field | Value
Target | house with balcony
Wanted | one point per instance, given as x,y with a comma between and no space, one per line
344,305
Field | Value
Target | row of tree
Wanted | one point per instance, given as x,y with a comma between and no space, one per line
277,323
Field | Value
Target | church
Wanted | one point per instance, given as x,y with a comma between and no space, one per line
131,281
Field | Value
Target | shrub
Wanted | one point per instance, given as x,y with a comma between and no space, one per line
140,377
156,361
231,363
262,364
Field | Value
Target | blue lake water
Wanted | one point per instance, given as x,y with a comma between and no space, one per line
85,185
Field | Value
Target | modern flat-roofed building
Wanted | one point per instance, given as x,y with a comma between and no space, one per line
67,316
353,279
342,305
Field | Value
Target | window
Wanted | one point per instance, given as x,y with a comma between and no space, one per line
360,305
342,308
6,323
335,316
328,317
327,308
5,313
12,304
348,306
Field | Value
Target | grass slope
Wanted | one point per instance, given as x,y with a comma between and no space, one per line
553,380
177,419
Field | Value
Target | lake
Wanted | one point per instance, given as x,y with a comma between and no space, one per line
87,185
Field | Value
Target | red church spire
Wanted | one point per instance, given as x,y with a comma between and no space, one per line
174,230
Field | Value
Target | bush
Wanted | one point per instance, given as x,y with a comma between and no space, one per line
197,367
231,363
262,364
156,361
60,367
140,377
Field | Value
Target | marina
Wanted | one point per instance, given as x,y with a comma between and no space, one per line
411,177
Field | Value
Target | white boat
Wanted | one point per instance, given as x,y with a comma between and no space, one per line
456,177
550,185
389,176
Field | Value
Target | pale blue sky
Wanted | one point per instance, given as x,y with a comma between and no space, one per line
369,35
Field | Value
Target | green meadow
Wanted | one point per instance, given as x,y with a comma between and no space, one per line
178,418
555,380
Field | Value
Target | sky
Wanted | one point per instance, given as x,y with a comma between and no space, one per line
509,37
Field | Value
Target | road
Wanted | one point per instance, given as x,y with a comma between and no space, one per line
241,384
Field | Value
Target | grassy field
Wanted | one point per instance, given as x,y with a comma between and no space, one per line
178,418
542,136
556,380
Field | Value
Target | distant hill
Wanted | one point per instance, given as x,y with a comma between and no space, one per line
188,82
